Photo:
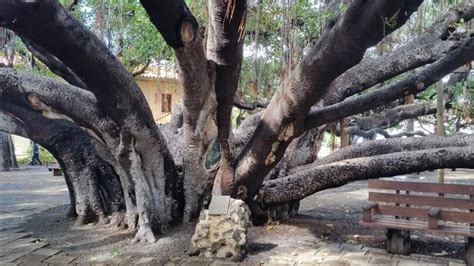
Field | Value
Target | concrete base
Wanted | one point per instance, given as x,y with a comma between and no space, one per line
398,242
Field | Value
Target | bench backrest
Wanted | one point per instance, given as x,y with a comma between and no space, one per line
452,202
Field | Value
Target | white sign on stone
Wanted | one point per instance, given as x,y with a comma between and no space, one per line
219,205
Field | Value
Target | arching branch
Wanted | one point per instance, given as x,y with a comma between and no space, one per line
307,182
411,85
54,64
428,47
359,28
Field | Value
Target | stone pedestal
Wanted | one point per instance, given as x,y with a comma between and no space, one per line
222,236
398,242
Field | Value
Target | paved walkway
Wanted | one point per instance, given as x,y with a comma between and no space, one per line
27,191
33,190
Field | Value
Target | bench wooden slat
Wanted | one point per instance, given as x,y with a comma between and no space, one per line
430,201
418,225
422,187
422,213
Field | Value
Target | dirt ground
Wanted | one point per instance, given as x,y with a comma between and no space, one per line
332,215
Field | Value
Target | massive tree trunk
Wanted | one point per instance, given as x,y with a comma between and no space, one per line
428,47
358,29
411,85
307,182
7,153
110,107
94,187
133,141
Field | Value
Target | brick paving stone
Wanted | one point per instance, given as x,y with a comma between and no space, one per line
7,248
6,232
280,261
12,237
305,250
407,262
46,252
457,263
224,263
309,261
60,259
380,260
38,255
32,264
329,251
22,251
196,262
31,258
432,262
145,261
126,261
354,257
349,247
336,262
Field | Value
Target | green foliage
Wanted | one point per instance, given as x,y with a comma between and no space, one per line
44,155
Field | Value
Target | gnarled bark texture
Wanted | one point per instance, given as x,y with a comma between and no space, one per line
133,140
94,187
7,153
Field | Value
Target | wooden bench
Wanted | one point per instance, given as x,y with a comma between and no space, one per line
56,169
429,207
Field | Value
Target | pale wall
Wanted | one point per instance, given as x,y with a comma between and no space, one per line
153,89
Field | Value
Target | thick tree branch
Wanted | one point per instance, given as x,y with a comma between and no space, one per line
180,30
167,16
411,85
385,146
54,64
372,133
428,47
250,106
136,144
363,25
392,117
142,69
225,44
96,188
314,179
55,99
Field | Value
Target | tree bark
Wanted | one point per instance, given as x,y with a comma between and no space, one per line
430,46
147,169
7,161
225,45
181,31
411,85
95,189
358,29
384,146
392,117
314,179
54,64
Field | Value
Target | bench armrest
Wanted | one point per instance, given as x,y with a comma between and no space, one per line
367,211
433,216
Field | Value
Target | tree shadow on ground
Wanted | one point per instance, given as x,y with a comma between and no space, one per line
255,248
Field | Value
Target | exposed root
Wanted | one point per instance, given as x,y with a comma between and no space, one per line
132,221
118,219
268,213
71,212
283,211
81,220
144,235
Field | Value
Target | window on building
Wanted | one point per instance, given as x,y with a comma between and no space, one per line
165,103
